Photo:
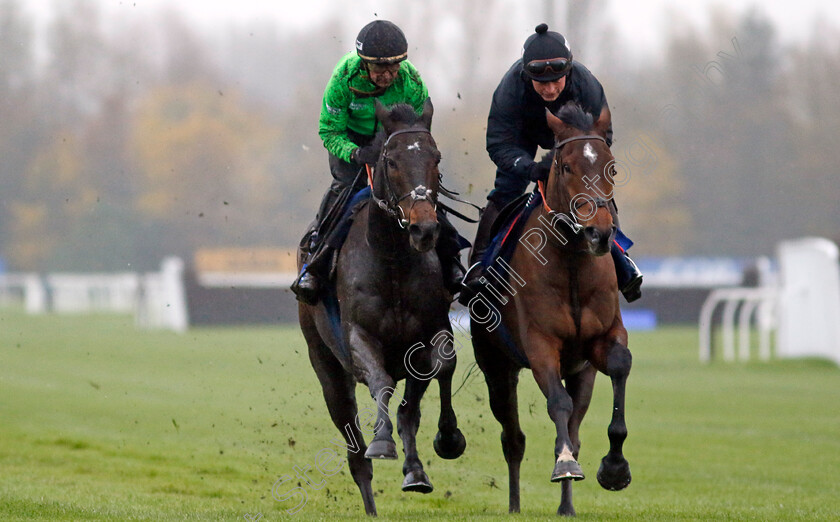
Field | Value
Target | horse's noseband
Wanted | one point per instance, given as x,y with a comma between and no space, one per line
391,205
420,193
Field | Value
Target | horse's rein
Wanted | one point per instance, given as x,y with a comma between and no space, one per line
598,202
418,193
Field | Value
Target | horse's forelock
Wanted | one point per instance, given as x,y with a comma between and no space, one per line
403,113
573,114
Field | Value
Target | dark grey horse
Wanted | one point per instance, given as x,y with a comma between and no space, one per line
387,318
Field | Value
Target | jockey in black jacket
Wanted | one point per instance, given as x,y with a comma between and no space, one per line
545,77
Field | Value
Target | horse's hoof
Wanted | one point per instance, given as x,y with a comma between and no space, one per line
381,449
566,511
614,473
417,481
567,470
450,446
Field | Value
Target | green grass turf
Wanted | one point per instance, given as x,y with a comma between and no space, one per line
100,421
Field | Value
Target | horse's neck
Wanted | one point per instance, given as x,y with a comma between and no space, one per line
578,267
384,235
562,242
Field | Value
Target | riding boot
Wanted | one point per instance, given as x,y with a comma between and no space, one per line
308,285
628,274
449,253
482,242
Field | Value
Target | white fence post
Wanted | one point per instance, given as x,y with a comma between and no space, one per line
174,295
809,320
35,295
747,300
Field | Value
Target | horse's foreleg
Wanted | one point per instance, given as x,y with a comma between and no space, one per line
545,365
408,421
369,367
339,390
579,387
502,379
615,361
449,441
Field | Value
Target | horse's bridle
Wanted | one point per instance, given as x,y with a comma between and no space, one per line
570,217
391,205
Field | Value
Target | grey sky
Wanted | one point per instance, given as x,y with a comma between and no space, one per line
643,21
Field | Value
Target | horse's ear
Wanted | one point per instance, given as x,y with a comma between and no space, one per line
381,112
428,111
555,124
602,126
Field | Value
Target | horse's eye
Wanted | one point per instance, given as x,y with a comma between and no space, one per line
391,163
567,168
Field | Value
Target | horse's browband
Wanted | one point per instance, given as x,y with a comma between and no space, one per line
559,145
403,131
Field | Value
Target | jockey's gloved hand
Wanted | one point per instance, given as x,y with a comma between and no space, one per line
538,171
368,154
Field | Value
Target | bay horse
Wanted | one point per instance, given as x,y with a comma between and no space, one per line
387,317
562,317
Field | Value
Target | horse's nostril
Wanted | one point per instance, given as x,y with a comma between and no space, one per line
423,235
593,235
418,231
415,232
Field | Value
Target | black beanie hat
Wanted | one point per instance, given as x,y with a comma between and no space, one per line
545,45
382,42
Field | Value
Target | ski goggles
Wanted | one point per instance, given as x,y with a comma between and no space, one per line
552,66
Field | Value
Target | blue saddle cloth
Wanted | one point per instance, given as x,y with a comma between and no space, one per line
504,242
336,239
342,228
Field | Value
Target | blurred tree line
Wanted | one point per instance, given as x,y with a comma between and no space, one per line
124,141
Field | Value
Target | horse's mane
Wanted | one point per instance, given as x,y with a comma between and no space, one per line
573,114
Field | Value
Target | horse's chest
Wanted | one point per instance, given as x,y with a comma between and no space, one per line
400,312
400,317
563,320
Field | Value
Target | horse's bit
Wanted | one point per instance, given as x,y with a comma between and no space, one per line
392,205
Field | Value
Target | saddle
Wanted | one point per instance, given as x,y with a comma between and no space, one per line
338,235
507,228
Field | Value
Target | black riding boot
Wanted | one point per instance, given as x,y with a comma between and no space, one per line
449,253
628,274
310,281
479,248
308,285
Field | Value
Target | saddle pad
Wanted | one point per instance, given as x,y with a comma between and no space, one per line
513,220
336,239
338,235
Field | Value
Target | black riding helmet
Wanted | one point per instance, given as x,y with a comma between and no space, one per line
546,55
381,42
